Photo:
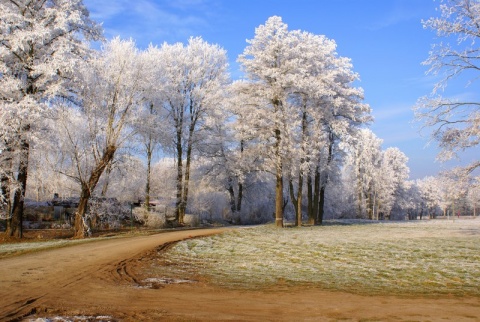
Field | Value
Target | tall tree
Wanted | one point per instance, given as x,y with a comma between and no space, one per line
266,62
109,97
39,43
455,122
191,90
300,89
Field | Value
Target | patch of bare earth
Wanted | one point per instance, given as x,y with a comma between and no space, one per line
111,279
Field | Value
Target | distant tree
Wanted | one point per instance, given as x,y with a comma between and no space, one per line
392,187
365,158
474,196
431,197
455,122
39,44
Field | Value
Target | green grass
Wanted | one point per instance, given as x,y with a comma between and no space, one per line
428,258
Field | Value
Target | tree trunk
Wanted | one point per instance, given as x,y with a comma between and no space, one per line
5,189
240,185
15,227
311,217
149,173
231,193
298,208
81,225
293,199
279,198
240,197
279,182
316,195
321,205
186,180
106,183
178,202
297,202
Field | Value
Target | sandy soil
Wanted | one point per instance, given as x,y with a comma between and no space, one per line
106,278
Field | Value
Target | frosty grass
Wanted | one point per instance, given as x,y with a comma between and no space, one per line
435,257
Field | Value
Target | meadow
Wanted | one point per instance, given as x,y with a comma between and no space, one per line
413,258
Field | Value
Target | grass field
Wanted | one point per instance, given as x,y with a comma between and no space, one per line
424,258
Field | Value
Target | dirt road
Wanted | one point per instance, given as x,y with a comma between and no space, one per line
105,279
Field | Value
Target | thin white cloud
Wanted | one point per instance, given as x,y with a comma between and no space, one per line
149,20
392,112
105,9
400,13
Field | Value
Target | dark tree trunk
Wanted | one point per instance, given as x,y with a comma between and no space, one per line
149,173
240,185
293,199
316,195
278,182
231,193
311,216
240,197
178,202
15,227
321,205
81,225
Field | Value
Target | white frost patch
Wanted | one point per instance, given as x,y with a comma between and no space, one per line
32,246
165,280
78,318
156,282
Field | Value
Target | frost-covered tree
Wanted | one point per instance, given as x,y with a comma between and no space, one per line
40,40
107,103
431,196
365,158
191,90
265,62
455,122
394,173
301,101
474,196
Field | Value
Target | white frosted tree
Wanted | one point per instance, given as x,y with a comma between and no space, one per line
39,44
431,196
474,196
108,101
300,102
191,90
391,181
365,158
265,62
455,122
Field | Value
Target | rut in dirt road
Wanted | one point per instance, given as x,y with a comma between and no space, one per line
47,280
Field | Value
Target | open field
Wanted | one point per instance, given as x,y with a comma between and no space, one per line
421,258
341,271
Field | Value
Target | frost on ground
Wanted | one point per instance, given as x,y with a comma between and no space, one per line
405,258
11,248
78,318
158,282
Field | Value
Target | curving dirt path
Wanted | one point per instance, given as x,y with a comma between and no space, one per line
105,278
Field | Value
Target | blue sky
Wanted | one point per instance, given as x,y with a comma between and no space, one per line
384,38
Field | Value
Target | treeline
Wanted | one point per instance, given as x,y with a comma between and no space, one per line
288,140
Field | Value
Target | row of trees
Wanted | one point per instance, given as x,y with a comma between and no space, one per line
290,136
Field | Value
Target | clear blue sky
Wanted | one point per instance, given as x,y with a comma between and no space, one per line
384,38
